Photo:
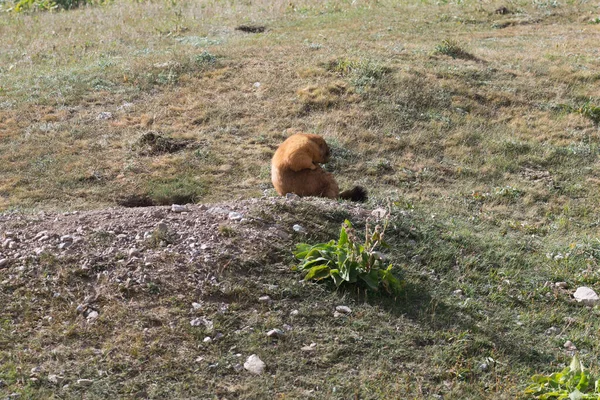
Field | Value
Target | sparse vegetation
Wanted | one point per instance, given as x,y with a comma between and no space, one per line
486,144
449,47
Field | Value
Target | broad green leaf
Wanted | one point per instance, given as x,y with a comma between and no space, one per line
337,279
345,270
343,237
318,272
576,365
584,380
311,263
370,279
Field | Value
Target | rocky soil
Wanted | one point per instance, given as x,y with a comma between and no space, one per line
79,290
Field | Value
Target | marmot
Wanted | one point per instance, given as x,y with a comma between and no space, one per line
295,169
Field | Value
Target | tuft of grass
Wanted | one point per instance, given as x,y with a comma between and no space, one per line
363,73
451,48
177,190
590,111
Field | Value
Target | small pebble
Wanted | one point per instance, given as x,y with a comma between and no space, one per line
235,216
293,313
458,292
92,315
310,347
176,208
562,285
3,262
84,382
299,228
56,379
265,299
254,364
133,252
569,346
275,333
343,309
207,339
379,213
104,115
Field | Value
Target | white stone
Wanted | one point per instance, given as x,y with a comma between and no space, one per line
235,216
3,262
254,364
569,346
92,315
12,245
104,115
275,333
294,313
84,382
379,213
265,299
36,370
56,379
562,285
208,324
310,347
133,252
458,292
64,245
343,309
176,208
196,306
66,238
585,295
207,340
299,228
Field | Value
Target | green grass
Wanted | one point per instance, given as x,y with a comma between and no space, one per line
482,128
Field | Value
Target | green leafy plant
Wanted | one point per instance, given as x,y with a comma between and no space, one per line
573,382
349,261
47,5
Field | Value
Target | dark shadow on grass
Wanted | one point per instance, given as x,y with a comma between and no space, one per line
417,304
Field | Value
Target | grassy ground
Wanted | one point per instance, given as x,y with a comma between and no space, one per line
483,125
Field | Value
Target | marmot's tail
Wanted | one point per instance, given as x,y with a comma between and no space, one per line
357,193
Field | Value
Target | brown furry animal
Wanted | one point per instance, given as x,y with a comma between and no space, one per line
295,169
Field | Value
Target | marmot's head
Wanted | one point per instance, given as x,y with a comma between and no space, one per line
323,154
